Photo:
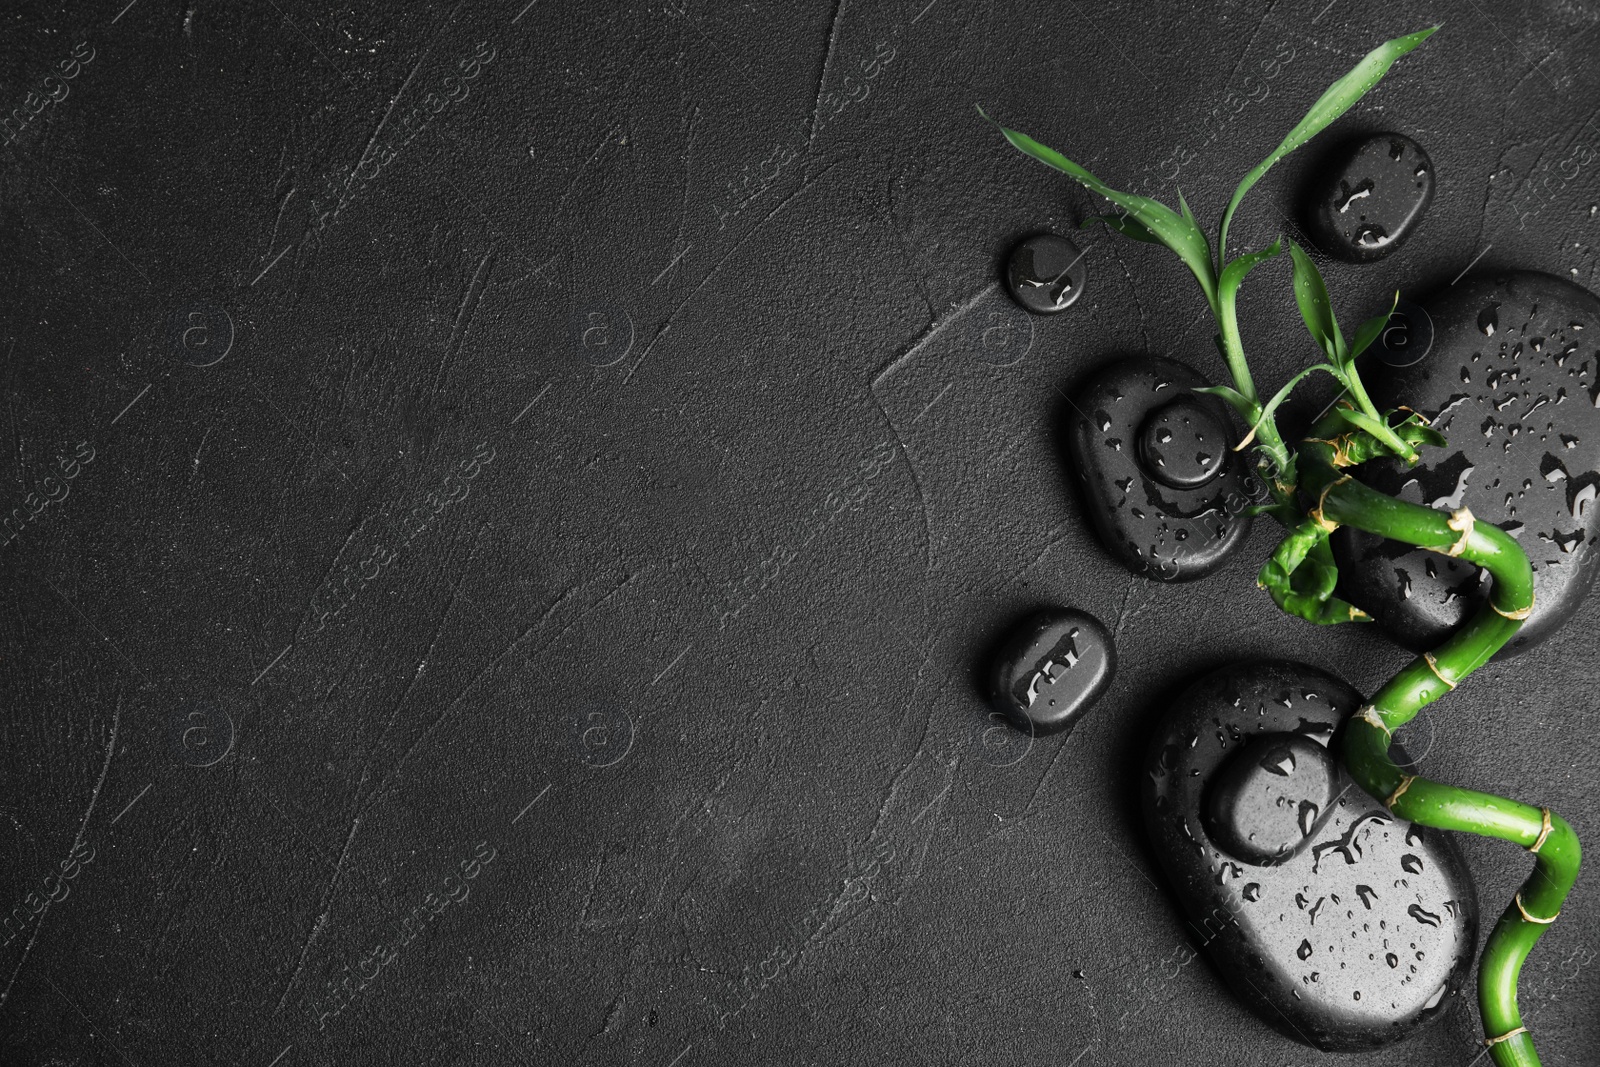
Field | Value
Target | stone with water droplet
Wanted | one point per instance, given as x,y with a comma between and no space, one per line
1508,383
1046,274
1171,506
1271,798
1184,444
1368,206
1050,669
1265,925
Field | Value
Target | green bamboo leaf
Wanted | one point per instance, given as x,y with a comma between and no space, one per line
1126,225
1233,274
1372,329
1235,399
1189,218
1179,234
1311,293
1271,406
1338,99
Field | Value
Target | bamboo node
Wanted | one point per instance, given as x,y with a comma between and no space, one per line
1316,512
1544,832
1462,522
1433,665
1533,918
1405,783
1491,1042
1370,716
1515,616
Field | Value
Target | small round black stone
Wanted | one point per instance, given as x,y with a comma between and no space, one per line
1183,444
1271,798
1049,670
1408,337
1046,273
1370,205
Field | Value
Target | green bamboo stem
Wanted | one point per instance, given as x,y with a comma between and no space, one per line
1365,745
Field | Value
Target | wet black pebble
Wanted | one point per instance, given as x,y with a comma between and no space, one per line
1365,933
1164,491
1046,273
1050,669
1513,382
1375,201
1271,797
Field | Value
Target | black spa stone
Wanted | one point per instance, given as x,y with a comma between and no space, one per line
1512,381
1271,797
1046,273
1050,669
1371,204
1360,937
1164,490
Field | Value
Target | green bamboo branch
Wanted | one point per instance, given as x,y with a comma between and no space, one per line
1314,492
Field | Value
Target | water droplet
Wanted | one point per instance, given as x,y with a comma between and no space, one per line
1489,319
1393,960
1411,863
1423,916
1308,817
1252,892
1304,951
1367,895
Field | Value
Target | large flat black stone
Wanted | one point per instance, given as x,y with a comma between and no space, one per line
1511,381
1360,937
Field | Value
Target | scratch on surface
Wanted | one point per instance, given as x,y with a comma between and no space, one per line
822,75
77,840
322,917
378,130
1133,288
934,330
1245,52
196,461
916,480
465,311
422,666
673,316
490,667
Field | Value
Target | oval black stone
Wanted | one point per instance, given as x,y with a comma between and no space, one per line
1271,797
1046,273
1153,527
1359,938
1512,381
1050,669
1184,443
1375,201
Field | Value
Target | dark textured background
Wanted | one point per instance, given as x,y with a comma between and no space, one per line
715,605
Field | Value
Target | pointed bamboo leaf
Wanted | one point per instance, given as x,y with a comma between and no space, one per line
1271,406
1167,226
1339,98
1126,225
1235,399
1372,329
1233,274
1311,293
